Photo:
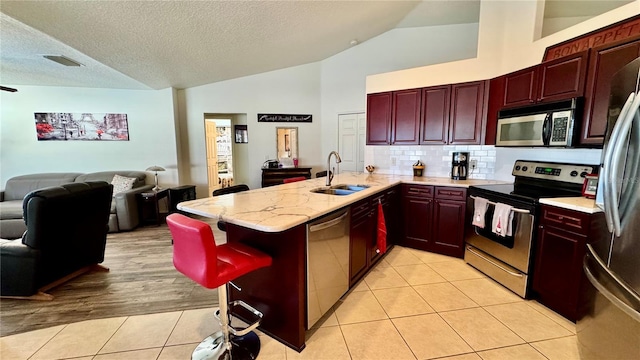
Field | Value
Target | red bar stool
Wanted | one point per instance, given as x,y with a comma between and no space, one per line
196,255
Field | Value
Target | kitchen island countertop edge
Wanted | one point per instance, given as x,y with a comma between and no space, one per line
282,207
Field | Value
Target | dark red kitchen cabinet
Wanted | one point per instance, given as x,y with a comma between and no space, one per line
448,215
494,103
405,117
520,87
604,61
453,114
435,115
561,246
390,201
554,80
379,118
392,215
562,78
417,207
466,113
362,227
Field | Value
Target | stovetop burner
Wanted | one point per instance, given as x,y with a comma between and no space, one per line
536,180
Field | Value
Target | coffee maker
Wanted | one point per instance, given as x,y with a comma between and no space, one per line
459,165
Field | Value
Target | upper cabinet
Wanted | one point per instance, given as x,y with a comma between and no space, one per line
449,114
405,117
379,118
453,114
604,61
435,114
467,112
550,81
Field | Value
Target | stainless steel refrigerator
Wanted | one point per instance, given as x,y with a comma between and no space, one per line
610,326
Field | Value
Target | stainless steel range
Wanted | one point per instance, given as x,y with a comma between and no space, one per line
508,259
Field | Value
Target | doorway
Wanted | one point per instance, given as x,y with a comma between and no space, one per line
219,143
351,140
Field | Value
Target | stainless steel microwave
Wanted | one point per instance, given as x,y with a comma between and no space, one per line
540,125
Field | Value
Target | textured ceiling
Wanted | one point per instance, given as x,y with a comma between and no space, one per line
158,44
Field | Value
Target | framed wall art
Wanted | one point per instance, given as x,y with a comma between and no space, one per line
81,126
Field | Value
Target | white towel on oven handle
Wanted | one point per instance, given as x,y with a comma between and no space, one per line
480,206
502,219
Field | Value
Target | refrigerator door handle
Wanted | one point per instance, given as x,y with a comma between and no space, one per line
618,155
607,173
606,293
592,254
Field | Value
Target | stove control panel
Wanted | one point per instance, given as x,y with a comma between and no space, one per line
573,173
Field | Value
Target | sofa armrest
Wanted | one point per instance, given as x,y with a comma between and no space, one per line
18,268
127,207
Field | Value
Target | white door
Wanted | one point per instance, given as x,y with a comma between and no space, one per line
362,139
351,138
212,154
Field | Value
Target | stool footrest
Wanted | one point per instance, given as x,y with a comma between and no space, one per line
243,331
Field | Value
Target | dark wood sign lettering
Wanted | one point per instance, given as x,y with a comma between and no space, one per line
283,118
628,29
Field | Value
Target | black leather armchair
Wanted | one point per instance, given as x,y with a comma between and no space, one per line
66,231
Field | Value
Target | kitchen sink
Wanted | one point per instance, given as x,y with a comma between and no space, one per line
340,190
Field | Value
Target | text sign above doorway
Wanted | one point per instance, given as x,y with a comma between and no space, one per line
283,118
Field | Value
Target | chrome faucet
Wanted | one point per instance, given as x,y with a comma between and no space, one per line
329,172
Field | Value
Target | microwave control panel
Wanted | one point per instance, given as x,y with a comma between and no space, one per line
573,173
561,128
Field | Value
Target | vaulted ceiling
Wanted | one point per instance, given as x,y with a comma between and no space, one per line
159,44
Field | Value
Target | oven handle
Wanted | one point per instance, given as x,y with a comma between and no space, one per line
494,263
522,211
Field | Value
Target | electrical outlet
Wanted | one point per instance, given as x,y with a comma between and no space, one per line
393,161
473,163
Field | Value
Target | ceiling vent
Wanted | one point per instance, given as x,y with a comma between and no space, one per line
63,60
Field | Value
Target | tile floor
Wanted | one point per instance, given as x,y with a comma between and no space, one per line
412,305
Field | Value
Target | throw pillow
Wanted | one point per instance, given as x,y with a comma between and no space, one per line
122,183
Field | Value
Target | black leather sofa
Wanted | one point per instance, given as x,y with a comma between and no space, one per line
67,229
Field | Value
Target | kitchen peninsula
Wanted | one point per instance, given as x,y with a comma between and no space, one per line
274,220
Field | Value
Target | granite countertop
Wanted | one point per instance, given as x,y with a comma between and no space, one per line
281,207
581,204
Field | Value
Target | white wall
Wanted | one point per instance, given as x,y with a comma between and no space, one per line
151,122
344,75
294,90
507,41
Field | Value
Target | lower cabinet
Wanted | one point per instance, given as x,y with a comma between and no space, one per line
417,209
432,218
561,246
362,230
363,237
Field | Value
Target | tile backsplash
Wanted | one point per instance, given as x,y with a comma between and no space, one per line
437,159
493,163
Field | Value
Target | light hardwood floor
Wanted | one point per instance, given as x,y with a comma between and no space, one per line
141,280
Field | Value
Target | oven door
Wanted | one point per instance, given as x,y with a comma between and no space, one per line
513,250
504,259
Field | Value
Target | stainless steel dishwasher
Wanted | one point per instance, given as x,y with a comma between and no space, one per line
327,263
